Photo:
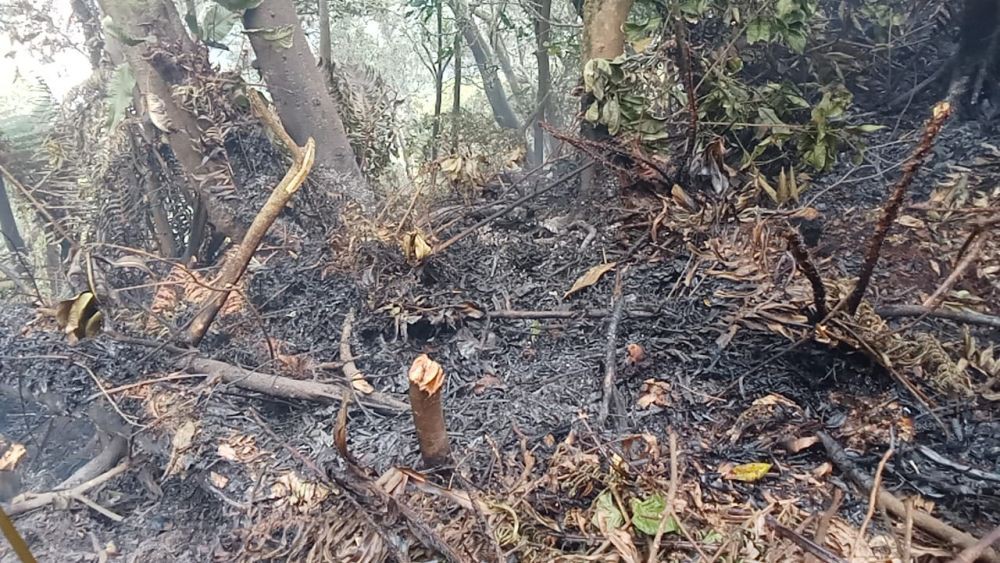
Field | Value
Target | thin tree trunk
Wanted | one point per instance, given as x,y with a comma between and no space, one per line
8,224
485,61
456,94
603,38
299,92
438,83
325,48
543,15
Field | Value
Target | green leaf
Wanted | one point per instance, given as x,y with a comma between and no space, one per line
646,515
868,128
604,507
216,22
118,94
785,7
239,5
796,41
593,113
758,30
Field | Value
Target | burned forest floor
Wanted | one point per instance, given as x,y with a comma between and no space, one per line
729,407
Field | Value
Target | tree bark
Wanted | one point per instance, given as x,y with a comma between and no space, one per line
603,38
486,63
156,75
299,93
8,224
438,82
543,14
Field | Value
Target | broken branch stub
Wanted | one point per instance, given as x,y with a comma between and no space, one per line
426,380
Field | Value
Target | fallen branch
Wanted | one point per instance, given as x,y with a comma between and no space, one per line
32,501
109,456
922,520
515,314
891,208
809,270
970,554
288,388
611,352
668,510
970,317
506,209
275,385
236,264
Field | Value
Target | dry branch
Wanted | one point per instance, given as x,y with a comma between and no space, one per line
891,209
977,240
234,267
289,388
887,500
14,538
610,352
30,501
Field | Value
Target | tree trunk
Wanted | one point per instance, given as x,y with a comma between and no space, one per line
543,14
975,83
456,93
603,38
156,73
438,83
8,224
486,63
325,47
299,92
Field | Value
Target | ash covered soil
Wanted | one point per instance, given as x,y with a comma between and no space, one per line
520,392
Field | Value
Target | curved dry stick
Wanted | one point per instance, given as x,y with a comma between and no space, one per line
234,267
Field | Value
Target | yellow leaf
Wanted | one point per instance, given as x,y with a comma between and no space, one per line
641,44
415,247
748,472
77,312
590,277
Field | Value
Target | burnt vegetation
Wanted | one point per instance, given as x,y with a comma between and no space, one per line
413,280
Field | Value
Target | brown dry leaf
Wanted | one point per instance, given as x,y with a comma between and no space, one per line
10,457
747,472
636,354
654,392
415,247
486,383
296,492
361,386
682,199
590,277
426,374
822,470
797,445
220,481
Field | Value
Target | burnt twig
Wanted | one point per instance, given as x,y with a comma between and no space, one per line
807,545
923,520
891,208
809,270
611,352
970,317
492,217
